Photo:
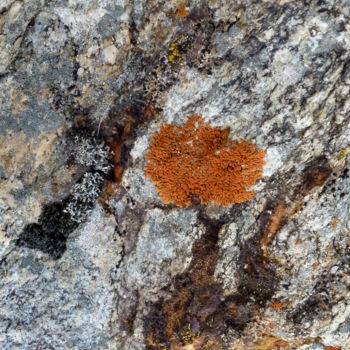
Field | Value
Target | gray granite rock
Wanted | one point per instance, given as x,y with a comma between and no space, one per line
91,258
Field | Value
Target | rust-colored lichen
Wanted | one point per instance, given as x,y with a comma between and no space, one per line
278,305
198,160
181,10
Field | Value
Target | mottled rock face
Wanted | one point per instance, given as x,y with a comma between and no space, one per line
91,257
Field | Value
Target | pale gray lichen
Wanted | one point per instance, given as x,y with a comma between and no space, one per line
84,195
91,153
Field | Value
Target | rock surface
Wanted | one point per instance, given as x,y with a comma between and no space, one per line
90,256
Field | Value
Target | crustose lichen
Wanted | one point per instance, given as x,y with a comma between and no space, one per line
198,160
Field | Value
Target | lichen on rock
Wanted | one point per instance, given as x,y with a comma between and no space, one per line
107,241
198,160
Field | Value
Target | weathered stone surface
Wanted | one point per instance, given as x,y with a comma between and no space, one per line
90,256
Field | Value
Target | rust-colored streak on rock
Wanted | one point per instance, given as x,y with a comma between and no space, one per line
198,160
116,144
119,137
276,222
118,173
315,175
334,223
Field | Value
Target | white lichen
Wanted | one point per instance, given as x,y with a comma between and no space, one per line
92,154
84,195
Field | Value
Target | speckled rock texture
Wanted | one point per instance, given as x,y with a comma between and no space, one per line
90,256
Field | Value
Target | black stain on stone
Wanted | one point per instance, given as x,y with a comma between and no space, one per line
306,310
54,226
50,233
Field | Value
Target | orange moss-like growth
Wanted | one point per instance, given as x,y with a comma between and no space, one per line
198,160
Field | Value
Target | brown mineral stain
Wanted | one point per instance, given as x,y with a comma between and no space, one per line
233,310
315,175
298,241
122,135
175,310
118,171
196,299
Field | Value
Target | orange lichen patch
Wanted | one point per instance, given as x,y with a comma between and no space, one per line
197,159
181,10
315,266
333,348
334,223
278,305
